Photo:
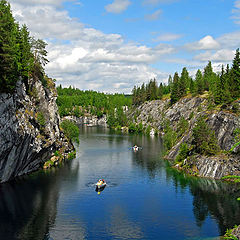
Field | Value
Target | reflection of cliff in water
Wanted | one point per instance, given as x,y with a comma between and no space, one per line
148,157
210,198
28,206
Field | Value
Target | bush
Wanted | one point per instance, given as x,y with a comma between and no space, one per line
183,152
71,130
204,138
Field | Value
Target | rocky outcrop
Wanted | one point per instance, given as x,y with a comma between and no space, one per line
223,122
90,120
29,129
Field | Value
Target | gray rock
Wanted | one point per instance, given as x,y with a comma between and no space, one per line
25,144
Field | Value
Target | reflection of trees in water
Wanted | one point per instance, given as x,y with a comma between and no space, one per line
210,198
148,157
28,206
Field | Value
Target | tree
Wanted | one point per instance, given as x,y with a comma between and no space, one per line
184,82
160,91
26,58
199,82
9,65
234,82
175,89
204,138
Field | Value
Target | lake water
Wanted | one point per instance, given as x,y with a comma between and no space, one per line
144,198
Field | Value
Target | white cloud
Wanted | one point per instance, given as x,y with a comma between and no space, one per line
117,6
154,16
223,55
156,2
167,37
230,40
236,12
88,58
206,43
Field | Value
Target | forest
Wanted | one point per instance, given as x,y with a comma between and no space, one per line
223,87
72,101
21,56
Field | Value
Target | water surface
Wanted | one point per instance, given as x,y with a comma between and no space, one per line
144,199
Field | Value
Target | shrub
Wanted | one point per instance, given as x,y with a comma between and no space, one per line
204,138
183,152
71,130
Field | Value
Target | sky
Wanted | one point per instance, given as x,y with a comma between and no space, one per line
112,45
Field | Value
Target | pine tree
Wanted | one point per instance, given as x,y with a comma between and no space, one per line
234,82
26,54
199,82
184,81
160,91
175,89
9,65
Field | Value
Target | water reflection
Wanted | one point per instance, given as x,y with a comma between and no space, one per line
144,198
28,207
210,198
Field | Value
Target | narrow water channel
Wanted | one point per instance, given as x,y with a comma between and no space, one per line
144,198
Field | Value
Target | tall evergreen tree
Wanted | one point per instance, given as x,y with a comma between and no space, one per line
184,82
234,81
199,82
9,65
160,91
175,89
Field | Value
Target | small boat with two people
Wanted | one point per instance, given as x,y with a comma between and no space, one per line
135,148
101,184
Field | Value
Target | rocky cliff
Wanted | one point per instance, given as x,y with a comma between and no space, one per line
29,129
223,121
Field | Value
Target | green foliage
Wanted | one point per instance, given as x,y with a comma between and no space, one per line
56,154
149,92
183,152
71,155
204,138
148,130
191,115
228,235
170,136
175,94
41,119
71,130
16,52
76,102
182,126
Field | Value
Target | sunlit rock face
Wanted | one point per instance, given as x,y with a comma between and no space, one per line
29,129
223,122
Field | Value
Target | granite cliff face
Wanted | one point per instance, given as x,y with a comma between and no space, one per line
29,129
223,122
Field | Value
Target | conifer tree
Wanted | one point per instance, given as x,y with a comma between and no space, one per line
199,82
175,89
183,82
9,64
234,82
160,91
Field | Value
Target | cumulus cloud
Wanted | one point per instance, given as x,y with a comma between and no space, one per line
88,58
117,6
167,37
154,16
223,55
206,43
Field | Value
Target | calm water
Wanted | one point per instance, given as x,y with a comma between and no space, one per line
144,198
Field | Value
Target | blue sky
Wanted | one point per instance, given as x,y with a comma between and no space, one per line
112,45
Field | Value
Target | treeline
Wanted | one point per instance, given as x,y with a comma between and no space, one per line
72,101
224,87
150,91
21,56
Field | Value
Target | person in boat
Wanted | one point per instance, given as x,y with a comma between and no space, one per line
135,147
